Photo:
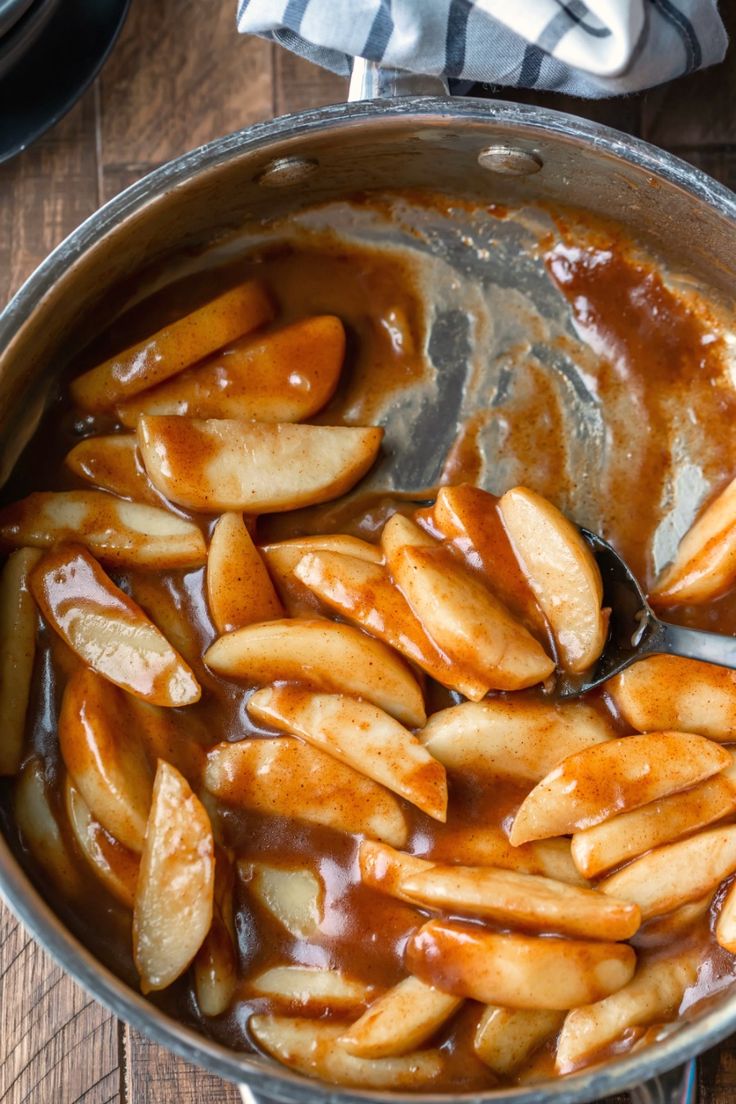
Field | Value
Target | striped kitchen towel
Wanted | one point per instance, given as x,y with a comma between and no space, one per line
583,47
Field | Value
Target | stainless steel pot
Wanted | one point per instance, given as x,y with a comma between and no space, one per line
500,152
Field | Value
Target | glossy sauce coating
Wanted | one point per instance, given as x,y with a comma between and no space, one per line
644,337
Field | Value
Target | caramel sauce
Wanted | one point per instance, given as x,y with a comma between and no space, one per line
647,341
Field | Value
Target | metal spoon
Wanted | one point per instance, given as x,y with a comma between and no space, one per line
635,631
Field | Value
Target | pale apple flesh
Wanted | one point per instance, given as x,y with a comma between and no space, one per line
323,655
478,845
517,971
40,832
173,348
669,692
598,782
562,572
283,557
705,563
113,464
174,897
115,865
282,376
293,895
506,1037
108,630
311,988
123,534
217,464
726,922
360,734
400,1021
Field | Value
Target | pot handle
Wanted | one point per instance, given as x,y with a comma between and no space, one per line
371,81
677,1086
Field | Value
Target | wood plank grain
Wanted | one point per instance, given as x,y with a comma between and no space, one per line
179,76
46,192
299,85
156,1076
58,1044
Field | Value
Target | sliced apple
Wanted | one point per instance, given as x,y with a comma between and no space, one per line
726,923
166,605
225,464
312,1047
481,845
215,965
654,994
18,623
360,734
385,869
400,1021
112,463
293,895
173,348
506,1037
665,931
114,864
39,830
562,572
401,532
513,737
469,519
522,900
174,899
179,739
466,622
671,876
323,655
517,971
612,777
705,563
668,692
283,376
363,592
283,557
108,630
311,988
106,757
284,777
123,534
239,588
606,845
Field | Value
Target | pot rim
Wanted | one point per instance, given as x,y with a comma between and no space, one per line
15,886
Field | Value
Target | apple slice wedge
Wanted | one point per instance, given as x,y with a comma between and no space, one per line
239,588
312,1047
506,1037
18,624
283,376
112,464
324,655
517,971
114,864
604,846
465,621
562,572
293,895
107,630
522,900
513,737
669,692
40,832
173,348
469,519
653,994
284,777
705,563
609,778
215,965
311,988
174,898
400,1021
386,869
361,590
360,734
283,557
487,845
106,757
671,876
726,922
123,534
226,464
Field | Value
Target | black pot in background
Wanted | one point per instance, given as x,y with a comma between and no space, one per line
22,29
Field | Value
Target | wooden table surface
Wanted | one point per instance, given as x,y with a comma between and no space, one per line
179,76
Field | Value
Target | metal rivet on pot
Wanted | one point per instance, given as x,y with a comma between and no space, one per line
284,172
509,160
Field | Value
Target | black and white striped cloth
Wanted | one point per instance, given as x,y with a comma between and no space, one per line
583,47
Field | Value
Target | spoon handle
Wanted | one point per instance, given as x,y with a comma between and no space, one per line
710,647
